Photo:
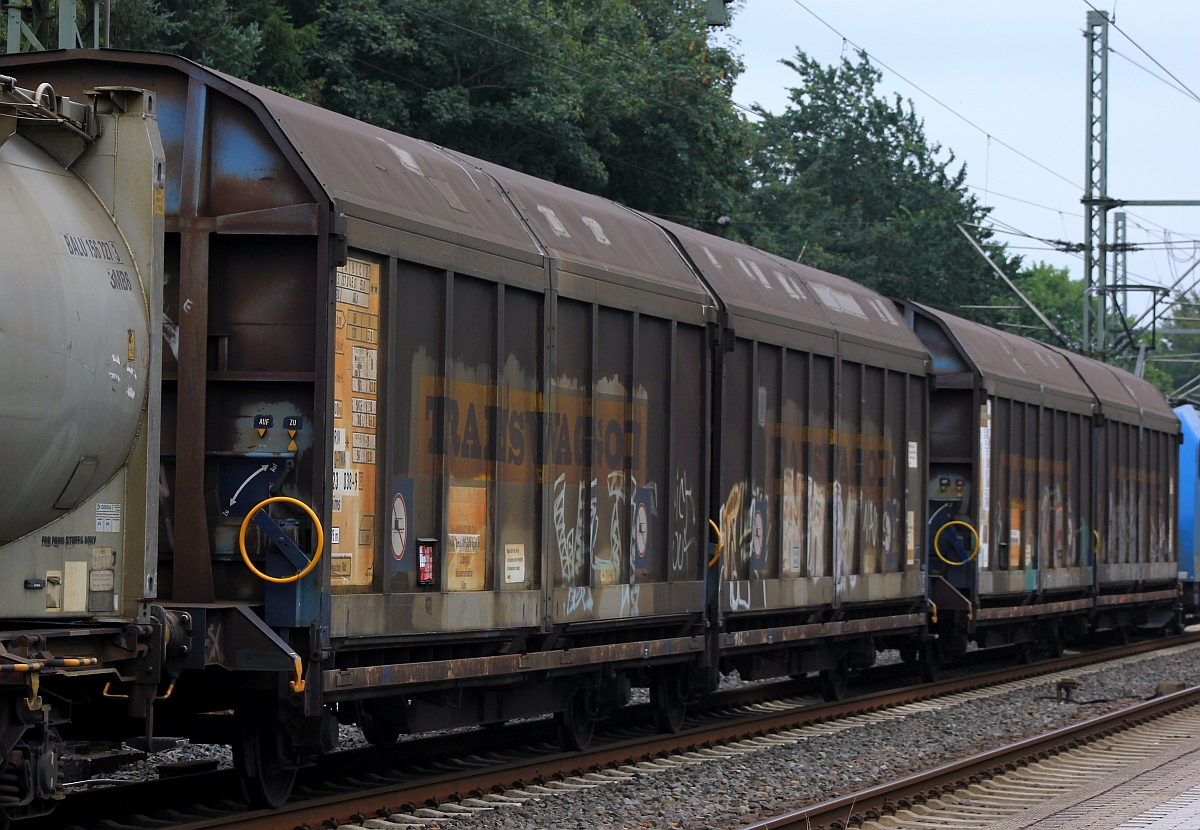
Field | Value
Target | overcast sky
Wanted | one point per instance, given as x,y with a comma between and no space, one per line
1017,70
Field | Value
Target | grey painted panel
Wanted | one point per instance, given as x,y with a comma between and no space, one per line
610,602
374,615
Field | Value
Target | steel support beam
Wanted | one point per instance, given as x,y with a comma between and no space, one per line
1095,181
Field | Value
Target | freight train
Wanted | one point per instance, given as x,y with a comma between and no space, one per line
306,422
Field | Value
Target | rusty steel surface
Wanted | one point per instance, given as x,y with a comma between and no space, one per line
341,806
849,810
504,664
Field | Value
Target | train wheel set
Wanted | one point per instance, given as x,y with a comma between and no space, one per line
317,424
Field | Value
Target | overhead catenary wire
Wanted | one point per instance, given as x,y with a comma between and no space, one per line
1153,74
971,123
938,101
1138,46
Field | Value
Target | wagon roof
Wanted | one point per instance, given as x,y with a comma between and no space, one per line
587,235
591,235
1124,396
1015,366
758,286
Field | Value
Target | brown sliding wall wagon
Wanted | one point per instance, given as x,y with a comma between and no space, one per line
373,432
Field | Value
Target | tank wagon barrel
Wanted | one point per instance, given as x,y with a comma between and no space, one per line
379,433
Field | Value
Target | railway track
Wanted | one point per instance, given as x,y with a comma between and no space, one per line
987,788
425,780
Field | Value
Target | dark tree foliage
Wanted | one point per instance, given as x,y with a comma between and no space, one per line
849,179
624,98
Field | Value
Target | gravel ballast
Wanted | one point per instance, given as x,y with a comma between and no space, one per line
731,792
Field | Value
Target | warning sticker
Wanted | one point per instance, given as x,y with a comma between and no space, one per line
101,580
467,538
514,564
108,518
912,455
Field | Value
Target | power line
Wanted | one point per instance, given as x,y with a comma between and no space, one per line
1027,202
1125,34
1153,74
938,101
971,123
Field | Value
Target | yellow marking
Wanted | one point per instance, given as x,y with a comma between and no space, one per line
131,344
159,201
292,445
261,433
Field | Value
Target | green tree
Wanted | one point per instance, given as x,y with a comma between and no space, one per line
1055,294
1173,359
624,98
847,180
256,40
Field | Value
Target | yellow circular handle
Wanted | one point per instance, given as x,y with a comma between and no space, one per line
281,580
938,536
720,543
1096,549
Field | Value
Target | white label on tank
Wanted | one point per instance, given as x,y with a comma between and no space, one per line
514,564
103,558
108,518
913,460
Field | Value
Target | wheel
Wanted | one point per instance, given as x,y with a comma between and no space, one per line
669,704
379,733
834,681
931,662
1025,652
1057,647
909,653
261,761
381,720
576,723
1124,635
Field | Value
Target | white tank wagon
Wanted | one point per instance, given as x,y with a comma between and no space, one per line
81,260
73,340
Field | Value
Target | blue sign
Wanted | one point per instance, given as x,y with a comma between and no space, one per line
639,544
401,539
758,537
244,482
